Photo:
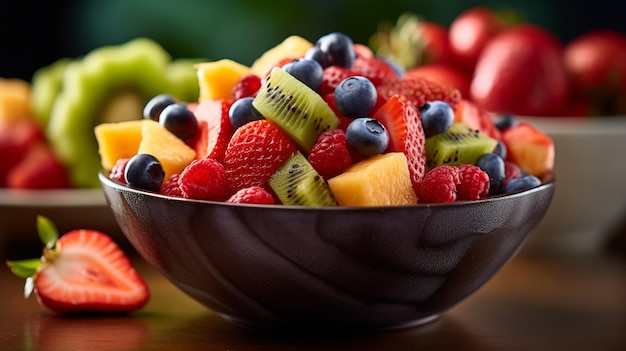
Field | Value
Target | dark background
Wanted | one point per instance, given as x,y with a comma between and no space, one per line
36,33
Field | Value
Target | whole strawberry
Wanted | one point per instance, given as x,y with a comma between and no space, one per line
254,153
83,271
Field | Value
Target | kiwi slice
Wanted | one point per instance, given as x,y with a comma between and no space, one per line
296,182
458,145
297,109
46,84
109,84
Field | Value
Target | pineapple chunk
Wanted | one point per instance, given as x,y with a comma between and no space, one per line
217,78
171,151
292,47
14,99
380,180
117,140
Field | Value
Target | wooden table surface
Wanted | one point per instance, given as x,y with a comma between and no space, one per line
533,303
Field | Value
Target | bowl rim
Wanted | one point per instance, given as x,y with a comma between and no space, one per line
106,181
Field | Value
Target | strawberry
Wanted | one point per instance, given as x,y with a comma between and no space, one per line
419,90
476,118
521,71
406,134
444,73
333,75
254,153
214,129
83,271
375,69
16,139
39,169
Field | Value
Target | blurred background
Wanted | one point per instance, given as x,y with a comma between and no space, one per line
35,34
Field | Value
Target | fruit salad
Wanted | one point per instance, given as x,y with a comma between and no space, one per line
323,123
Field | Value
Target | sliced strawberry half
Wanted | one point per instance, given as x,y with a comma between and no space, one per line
83,271
420,90
214,130
406,134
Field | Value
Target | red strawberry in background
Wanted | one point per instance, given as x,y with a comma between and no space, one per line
83,271
16,140
412,42
596,62
39,169
375,69
406,134
521,71
444,73
470,31
254,153
419,90
214,129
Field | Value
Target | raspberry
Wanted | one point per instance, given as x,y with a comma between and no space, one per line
474,183
171,187
246,86
252,195
330,155
439,185
511,171
117,172
203,179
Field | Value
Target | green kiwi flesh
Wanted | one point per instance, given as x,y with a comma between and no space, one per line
297,109
458,145
297,183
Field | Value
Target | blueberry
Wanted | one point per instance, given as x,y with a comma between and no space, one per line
179,120
367,136
339,49
309,72
153,108
315,53
242,112
397,68
522,183
501,149
355,96
493,165
144,171
437,117
504,121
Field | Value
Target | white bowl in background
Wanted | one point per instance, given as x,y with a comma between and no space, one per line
590,196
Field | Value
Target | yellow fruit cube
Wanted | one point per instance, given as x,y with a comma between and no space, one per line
117,140
171,151
292,47
217,78
380,180
14,99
